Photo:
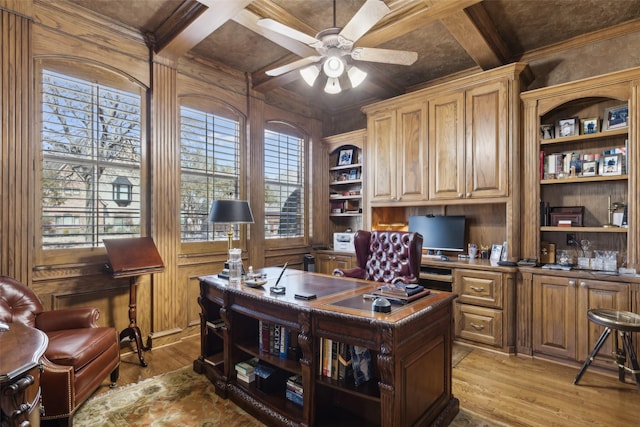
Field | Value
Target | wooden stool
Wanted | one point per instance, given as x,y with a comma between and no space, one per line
625,323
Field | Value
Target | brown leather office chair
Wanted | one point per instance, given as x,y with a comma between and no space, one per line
79,355
386,256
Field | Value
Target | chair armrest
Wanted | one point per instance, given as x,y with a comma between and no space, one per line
355,272
68,318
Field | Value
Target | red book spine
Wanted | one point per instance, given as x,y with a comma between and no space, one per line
541,165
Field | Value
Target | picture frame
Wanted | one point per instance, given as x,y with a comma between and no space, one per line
616,117
589,168
589,126
345,157
568,127
496,254
612,164
353,174
547,131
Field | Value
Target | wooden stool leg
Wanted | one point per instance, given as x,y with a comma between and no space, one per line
594,353
621,355
633,360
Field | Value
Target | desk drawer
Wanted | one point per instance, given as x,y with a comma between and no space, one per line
476,287
479,324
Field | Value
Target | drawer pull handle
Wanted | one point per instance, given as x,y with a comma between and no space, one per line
476,326
477,289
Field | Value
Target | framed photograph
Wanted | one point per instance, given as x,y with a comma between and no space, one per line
612,164
568,127
616,117
589,126
589,168
353,174
345,157
496,254
547,131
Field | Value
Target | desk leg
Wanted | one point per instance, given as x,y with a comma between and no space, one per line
133,332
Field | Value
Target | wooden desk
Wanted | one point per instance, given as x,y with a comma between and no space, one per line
411,347
22,347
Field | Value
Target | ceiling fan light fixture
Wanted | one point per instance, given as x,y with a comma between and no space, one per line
356,76
310,74
333,86
333,67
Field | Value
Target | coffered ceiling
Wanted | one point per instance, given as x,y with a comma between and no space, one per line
449,36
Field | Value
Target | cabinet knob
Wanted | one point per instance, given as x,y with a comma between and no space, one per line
572,283
468,195
459,195
584,285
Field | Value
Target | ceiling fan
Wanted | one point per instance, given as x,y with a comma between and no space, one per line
334,44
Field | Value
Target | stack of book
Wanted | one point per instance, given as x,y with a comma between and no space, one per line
402,292
294,391
277,340
245,371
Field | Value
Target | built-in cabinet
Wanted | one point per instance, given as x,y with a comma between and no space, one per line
456,143
327,261
397,169
560,329
485,308
468,143
572,132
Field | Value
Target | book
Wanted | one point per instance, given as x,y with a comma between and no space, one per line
284,343
401,289
294,397
246,378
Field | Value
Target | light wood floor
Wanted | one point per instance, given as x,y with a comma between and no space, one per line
516,391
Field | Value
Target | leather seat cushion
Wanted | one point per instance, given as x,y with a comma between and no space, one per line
78,347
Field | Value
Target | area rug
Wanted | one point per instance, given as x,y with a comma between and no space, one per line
184,398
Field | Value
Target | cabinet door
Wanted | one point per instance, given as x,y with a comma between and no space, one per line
487,161
554,316
412,168
598,294
327,262
446,147
382,157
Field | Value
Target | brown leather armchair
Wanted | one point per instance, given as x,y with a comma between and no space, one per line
386,256
79,356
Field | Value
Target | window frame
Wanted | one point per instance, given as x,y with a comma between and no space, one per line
212,105
95,73
285,127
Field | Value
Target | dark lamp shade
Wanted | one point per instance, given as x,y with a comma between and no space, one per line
230,212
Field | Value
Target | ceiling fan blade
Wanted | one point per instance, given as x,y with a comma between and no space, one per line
386,56
365,18
277,27
293,65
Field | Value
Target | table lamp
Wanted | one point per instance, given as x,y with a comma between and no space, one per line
230,212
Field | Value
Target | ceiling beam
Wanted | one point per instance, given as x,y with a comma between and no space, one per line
200,27
470,38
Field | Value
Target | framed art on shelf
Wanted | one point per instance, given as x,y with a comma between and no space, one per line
616,117
612,164
345,157
589,168
496,254
547,131
568,127
589,126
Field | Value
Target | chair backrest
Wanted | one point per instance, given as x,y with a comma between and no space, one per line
385,255
18,303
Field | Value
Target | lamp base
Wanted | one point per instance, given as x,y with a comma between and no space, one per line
224,274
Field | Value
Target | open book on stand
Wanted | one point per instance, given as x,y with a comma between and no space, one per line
404,292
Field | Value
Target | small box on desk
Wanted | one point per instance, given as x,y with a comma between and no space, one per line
343,242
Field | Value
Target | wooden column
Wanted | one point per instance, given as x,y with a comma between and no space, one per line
16,210
168,300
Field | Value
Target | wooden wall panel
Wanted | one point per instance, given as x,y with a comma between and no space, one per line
15,155
168,299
